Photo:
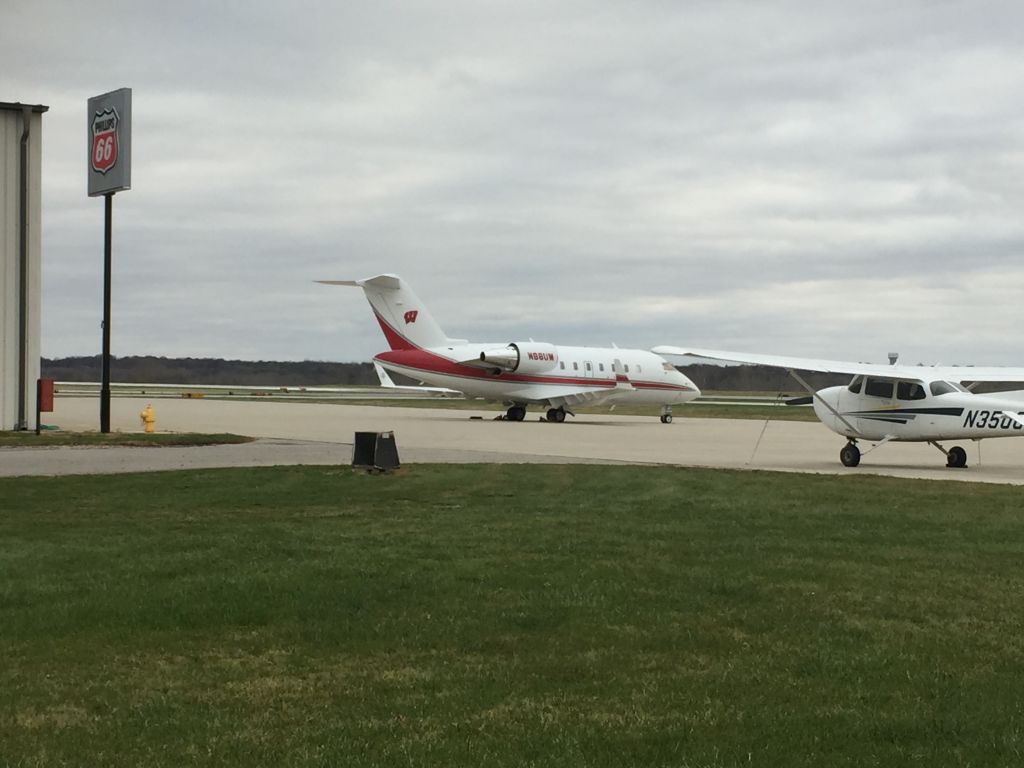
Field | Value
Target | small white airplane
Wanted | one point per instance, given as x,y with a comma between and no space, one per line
904,403
520,373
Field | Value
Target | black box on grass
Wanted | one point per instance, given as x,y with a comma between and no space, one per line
375,450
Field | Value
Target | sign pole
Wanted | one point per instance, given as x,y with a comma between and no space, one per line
108,215
109,169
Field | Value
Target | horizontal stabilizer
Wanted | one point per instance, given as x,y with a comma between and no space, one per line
388,282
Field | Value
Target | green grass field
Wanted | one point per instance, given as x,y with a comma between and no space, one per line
49,439
510,616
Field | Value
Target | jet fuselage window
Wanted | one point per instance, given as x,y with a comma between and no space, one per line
575,366
878,387
909,390
561,364
600,367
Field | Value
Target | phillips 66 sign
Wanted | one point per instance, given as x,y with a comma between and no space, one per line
110,142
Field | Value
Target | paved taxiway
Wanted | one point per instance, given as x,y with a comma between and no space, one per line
315,433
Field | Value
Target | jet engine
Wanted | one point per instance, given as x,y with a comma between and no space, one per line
522,357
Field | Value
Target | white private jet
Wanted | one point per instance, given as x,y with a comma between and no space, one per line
520,373
906,403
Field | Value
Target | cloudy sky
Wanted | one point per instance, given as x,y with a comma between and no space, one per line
823,178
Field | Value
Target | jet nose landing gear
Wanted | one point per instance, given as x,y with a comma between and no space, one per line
666,414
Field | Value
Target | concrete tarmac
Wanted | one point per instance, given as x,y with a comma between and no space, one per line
317,433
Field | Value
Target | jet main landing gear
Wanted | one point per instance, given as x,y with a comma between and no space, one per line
557,415
515,413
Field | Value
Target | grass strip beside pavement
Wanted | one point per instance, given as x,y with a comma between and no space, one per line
509,615
49,438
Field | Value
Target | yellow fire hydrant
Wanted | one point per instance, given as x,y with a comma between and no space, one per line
148,419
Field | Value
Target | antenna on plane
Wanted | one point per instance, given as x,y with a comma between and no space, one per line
893,357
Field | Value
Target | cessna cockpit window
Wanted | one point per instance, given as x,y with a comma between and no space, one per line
878,387
945,387
909,390
855,384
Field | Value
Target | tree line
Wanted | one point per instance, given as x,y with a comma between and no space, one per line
205,370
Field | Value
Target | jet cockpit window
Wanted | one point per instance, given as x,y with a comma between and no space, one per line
878,387
667,367
945,387
856,384
909,390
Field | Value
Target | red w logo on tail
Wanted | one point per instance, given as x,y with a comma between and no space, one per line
410,316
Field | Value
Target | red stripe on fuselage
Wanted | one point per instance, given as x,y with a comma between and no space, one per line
394,338
428,362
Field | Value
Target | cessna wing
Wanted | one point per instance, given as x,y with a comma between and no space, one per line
945,372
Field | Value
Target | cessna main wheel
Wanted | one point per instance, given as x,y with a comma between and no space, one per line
956,458
850,455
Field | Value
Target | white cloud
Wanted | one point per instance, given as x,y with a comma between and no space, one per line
726,173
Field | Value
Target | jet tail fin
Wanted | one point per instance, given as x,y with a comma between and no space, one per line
406,322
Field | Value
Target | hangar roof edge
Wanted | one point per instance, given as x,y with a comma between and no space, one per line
17,106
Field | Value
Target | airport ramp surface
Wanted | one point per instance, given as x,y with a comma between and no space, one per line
318,433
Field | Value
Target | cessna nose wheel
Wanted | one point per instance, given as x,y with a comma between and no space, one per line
850,455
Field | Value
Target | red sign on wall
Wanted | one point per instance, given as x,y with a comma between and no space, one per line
45,394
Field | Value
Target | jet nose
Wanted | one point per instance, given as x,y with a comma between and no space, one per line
691,391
